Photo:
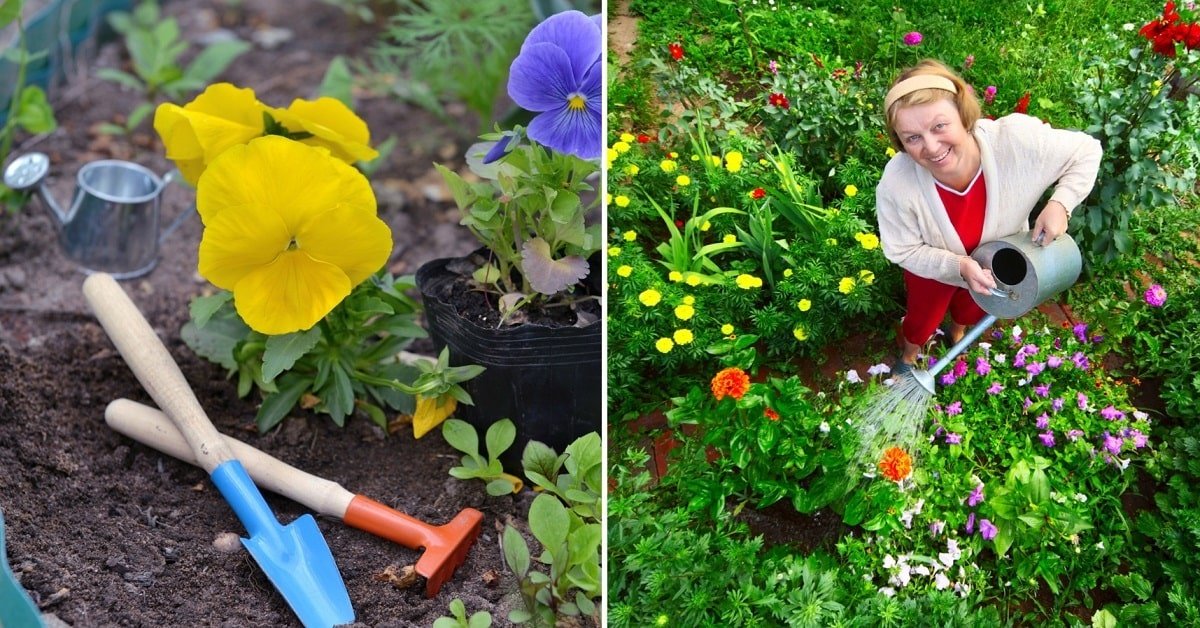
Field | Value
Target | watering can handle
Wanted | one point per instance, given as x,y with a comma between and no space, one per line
174,176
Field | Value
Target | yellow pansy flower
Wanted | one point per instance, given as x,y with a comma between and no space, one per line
621,147
804,305
622,200
668,166
851,190
729,238
627,137
846,285
733,161
331,125
650,297
629,236
726,329
632,169
746,282
683,180
194,134
277,216
684,312
625,270
614,251
675,275
692,280
800,333
430,412
866,276
689,300
664,345
683,336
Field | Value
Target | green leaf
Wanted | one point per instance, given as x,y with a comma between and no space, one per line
9,11
283,351
1104,619
277,405
214,59
500,436
482,619
34,112
549,522
496,488
516,552
339,395
217,340
461,436
202,308
584,544
338,82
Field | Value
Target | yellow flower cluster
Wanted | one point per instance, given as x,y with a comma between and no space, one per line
650,297
804,305
746,282
869,241
799,333
866,277
733,161
846,285
684,312
683,336
664,345
668,166
683,180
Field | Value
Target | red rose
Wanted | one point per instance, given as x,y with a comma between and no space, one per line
676,51
642,138
758,193
1022,104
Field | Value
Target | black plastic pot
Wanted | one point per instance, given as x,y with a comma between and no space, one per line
546,379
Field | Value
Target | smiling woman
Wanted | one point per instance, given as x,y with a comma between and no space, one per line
961,181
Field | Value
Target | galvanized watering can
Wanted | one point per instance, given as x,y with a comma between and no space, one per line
112,225
1027,274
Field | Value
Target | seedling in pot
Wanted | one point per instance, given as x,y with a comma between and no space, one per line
500,436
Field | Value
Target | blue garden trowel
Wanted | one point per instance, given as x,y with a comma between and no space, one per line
16,609
295,557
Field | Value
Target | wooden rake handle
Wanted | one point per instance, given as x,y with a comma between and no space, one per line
154,367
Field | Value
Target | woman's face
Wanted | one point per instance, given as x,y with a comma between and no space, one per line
933,135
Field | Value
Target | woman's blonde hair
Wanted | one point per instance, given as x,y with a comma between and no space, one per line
964,98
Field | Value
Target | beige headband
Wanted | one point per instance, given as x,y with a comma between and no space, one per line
914,83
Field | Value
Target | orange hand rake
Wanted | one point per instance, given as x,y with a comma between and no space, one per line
445,546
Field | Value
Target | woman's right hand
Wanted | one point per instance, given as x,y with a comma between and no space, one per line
977,277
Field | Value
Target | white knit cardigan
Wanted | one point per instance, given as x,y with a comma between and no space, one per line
1021,156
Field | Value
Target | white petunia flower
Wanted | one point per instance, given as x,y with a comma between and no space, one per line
852,377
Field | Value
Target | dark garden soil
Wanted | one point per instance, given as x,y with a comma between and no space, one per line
107,532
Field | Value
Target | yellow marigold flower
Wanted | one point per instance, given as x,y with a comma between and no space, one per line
799,333
851,191
733,161
622,200
661,620
746,282
430,412
632,169
194,134
706,226
675,275
846,285
787,272
729,238
891,152
831,241
804,305
762,162
331,125
689,300
611,155
714,160
627,137
692,280
683,180
621,147
683,336
869,241
664,345
607,199
726,329
650,297
668,166
866,276
614,251
673,155
684,312
695,157
625,270
629,236
277,216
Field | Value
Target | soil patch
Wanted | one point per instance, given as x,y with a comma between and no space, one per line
103,531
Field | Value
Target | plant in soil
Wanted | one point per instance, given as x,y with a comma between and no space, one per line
28,111
500,435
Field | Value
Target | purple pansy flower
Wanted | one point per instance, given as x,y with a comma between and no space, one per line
1047,438
912,38
557,75
1043,421
1097,339
976,496
997,334
987,529
981,366
1156,296
499,149
1080,330
995,388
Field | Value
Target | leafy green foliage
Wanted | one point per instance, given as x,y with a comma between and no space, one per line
28,111
458,619
500,436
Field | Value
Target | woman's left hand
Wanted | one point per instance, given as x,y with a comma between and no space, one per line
1051,223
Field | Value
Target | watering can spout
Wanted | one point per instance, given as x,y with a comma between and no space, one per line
27,172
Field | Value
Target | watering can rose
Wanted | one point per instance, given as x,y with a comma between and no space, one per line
289,230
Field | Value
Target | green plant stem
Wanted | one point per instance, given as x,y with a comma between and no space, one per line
14,106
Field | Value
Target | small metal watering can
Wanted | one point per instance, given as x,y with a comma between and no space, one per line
112,225
1027,274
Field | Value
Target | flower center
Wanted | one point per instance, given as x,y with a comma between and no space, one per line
293,245
575,102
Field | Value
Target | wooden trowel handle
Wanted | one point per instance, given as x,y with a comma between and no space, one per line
154,367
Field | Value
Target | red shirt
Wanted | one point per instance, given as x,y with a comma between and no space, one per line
966,210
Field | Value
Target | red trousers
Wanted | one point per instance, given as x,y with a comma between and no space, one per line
928,301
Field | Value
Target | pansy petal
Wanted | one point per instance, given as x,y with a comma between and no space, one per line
572,31
351,238
291,294
333,126
540,78
568,131
237,242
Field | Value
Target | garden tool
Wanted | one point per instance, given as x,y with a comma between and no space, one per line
1027,274
16,609
445,546
295,557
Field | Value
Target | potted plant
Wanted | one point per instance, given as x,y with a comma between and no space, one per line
526,304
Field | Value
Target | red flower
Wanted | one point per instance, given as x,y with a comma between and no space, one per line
731,382
676,50
758,193
896,464
1022,104
1191,38
642,138
771,414
678,223
840,74
779,100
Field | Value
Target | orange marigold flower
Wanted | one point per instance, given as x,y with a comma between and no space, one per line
896,464
732,381
771,414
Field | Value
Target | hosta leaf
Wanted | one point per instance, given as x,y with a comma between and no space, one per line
548,275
